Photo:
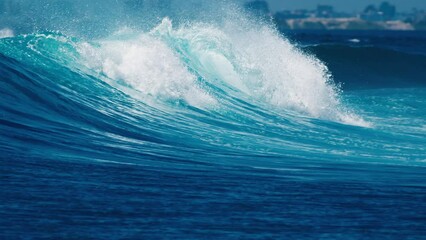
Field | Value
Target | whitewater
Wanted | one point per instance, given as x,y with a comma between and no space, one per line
216,126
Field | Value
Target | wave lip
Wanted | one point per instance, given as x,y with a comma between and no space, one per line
146,65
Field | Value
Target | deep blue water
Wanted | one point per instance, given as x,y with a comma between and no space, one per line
213,130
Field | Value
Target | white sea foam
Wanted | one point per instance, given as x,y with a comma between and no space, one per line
257,61
147,65
6,33
354,40
244,57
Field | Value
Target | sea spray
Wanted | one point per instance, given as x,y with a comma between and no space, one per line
240,58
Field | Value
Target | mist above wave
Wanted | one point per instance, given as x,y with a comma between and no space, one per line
100,18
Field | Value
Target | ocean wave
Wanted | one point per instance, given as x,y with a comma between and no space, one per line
202,89
123,123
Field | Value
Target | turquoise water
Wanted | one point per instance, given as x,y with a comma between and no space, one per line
212,129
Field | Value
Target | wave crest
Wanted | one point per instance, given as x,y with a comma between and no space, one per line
242,60
207,65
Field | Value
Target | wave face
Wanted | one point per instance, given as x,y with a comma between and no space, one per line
207,126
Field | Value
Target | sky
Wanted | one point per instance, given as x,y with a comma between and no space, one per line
344,5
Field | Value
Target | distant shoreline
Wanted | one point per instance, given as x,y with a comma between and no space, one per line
343,24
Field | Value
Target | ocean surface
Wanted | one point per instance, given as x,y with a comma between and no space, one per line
212,130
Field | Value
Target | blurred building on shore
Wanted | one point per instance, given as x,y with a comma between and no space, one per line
382,17
258,8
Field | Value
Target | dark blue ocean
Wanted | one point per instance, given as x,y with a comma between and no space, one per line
214,126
